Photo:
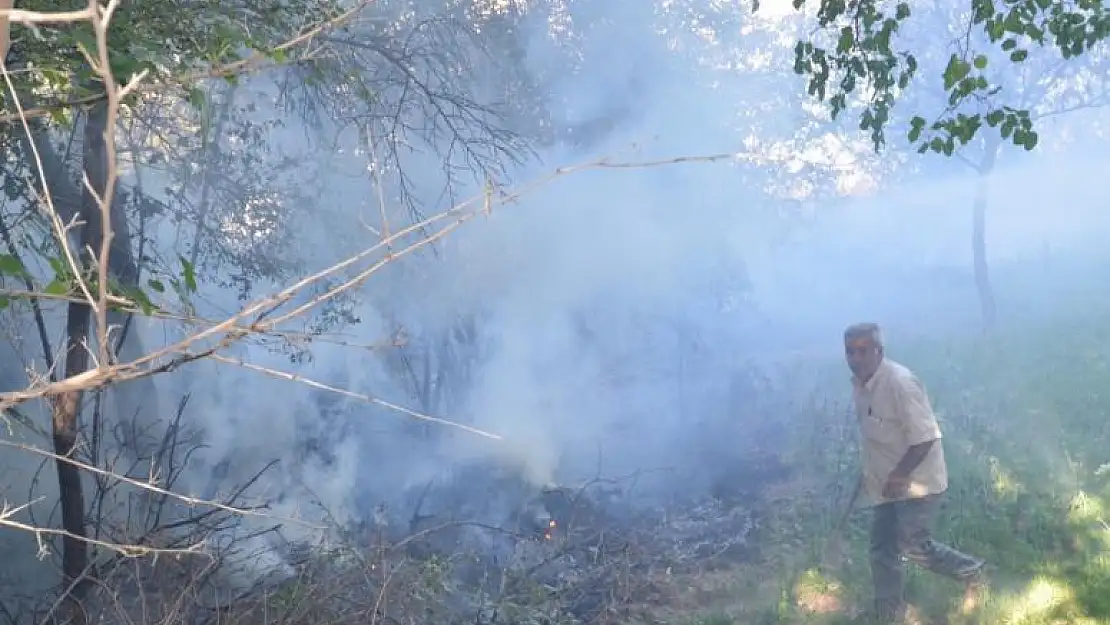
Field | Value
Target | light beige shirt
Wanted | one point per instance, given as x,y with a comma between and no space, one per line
894,414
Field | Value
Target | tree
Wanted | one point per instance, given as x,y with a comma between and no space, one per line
1045,89
856,55
88,235
378,75
1009,70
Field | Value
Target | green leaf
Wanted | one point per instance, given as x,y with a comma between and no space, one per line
156,285
902,11
140,298
57,287
1009,44
189,274
124,66
85,39
917,125
5,301
59,116
10,265
980,62
995,30
59,267
981,11
846,41
55,78
957,70
1017,56
195,97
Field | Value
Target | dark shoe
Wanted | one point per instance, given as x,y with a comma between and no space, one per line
971,572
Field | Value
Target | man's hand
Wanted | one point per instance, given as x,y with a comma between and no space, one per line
896,485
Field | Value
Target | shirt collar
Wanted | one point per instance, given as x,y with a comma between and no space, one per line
870,385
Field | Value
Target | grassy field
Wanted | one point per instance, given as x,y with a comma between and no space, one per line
1025,416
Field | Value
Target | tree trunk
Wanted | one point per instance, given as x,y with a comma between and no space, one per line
987,304
67,411
71,201
67,408
68,199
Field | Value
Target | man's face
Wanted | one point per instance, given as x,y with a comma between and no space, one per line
863,357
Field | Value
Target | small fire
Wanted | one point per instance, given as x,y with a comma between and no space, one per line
549,533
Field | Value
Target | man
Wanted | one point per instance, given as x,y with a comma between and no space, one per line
904,473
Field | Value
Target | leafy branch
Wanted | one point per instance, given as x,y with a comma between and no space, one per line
127,57
865,58
65,285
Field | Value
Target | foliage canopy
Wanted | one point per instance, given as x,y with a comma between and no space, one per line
865,60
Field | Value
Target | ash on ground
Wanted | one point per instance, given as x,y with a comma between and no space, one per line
590,553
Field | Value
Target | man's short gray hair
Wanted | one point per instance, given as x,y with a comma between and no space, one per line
867,330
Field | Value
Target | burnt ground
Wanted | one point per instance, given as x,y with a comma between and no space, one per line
592,553
488,548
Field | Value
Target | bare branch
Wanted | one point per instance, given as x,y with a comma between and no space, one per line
149,487
154,363
282,375
128,551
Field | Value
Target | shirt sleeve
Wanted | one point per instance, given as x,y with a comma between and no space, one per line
918,421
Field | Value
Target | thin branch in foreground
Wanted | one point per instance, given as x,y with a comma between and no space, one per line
190,501
127,551
59,228
282,375
481,204
143,367
123,305
104,197
34,18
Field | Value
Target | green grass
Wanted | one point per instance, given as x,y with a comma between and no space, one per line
1025,416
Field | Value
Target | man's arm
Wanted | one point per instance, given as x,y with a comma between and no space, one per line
921,430
915,455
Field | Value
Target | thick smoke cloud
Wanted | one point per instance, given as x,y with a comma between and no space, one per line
615,316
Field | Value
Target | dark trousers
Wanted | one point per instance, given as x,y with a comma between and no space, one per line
904,530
